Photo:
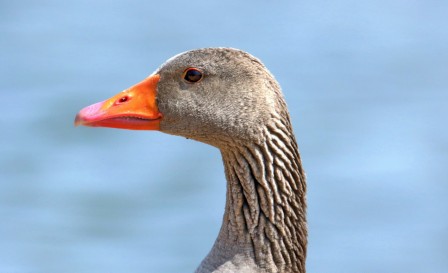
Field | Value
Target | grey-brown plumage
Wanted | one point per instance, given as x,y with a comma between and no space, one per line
238,107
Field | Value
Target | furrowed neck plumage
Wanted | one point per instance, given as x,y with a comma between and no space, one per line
264,225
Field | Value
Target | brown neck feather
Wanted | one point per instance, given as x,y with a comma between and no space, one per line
264,225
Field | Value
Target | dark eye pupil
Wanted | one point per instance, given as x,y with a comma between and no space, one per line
193,75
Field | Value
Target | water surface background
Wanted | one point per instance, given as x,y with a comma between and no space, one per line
367,87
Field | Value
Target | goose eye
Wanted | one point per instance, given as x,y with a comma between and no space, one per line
192,75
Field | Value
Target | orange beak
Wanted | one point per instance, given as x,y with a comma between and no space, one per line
134,109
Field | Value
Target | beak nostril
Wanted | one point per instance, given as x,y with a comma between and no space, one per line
123,99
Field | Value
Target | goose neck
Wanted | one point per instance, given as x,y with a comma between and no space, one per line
264,224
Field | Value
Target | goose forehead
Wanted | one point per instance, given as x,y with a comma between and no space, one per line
206,55
170,60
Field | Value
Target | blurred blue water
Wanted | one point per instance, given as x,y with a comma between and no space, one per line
366,83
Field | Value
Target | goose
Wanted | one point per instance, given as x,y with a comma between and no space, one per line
227,98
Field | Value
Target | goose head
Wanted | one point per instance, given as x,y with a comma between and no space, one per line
213,95
227,98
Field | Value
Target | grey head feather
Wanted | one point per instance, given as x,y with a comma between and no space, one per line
236,96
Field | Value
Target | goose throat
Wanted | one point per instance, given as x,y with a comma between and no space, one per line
264,223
